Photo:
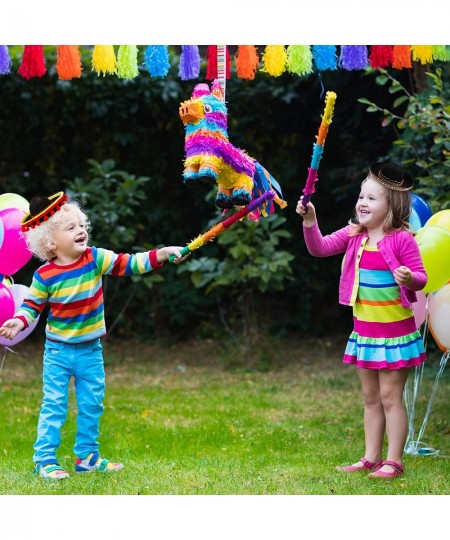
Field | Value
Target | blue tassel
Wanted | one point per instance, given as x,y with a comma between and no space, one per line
189,67
5,61
325,57
157,60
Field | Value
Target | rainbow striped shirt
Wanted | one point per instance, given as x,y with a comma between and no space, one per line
74,292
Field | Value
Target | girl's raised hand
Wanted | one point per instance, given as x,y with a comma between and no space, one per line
309,217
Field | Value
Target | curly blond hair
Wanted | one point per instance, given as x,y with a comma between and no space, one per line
40,238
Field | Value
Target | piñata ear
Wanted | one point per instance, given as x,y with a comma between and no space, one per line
217,90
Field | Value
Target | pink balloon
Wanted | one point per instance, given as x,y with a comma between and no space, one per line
18,293
420,308
14,252
6,303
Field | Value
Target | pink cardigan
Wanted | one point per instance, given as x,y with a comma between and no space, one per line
397,249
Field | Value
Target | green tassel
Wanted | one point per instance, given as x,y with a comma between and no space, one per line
127,64
299,59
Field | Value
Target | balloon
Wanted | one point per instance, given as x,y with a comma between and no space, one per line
414,220
6,303
421,207
434,247
19,293
12,200
14,252
440,219
2,232
420,308
439,317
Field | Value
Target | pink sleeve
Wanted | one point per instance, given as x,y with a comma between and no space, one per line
324,246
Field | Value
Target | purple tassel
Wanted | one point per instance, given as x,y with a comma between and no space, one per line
5,61
189,67
157,60
325,57
353,57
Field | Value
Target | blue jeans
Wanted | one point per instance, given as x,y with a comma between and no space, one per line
84,362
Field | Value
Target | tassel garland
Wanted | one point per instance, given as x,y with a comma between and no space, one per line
247,61
189,67
380,56
104,60
157,60
299,59
324,57
274,60
353,57
422,53
68,62
401,57
5,60
127,63
33,63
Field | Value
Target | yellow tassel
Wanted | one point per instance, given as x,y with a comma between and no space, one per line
274,60
196,243
422,53
104,60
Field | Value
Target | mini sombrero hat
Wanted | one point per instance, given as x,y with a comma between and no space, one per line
41,208
391,176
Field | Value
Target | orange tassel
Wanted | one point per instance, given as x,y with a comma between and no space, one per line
68,62
247,61
401,57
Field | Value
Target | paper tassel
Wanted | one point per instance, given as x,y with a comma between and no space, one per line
324,57
104,60
299,59
189,67
440,53
157,60
401,57
422,53
33,63
5,60
247,61
274,60
127,63
380,56
68,62
211,68
353,57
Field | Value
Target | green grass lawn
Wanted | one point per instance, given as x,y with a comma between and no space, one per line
183,424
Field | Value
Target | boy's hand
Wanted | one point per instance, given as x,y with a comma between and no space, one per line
11,328
164,253
309,217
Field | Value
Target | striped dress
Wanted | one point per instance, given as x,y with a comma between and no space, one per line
385,335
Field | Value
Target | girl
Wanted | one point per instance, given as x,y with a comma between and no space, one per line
57,231
381,270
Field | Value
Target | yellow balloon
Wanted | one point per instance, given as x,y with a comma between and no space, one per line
12,200
440,219
434,247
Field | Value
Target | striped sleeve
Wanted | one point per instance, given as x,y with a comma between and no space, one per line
124,264
35,302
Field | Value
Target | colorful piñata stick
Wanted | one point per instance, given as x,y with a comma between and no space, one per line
220,227
318,147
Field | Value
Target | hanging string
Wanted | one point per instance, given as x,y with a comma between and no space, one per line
222,67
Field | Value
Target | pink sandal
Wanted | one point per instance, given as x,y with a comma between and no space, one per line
399,469
367,466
